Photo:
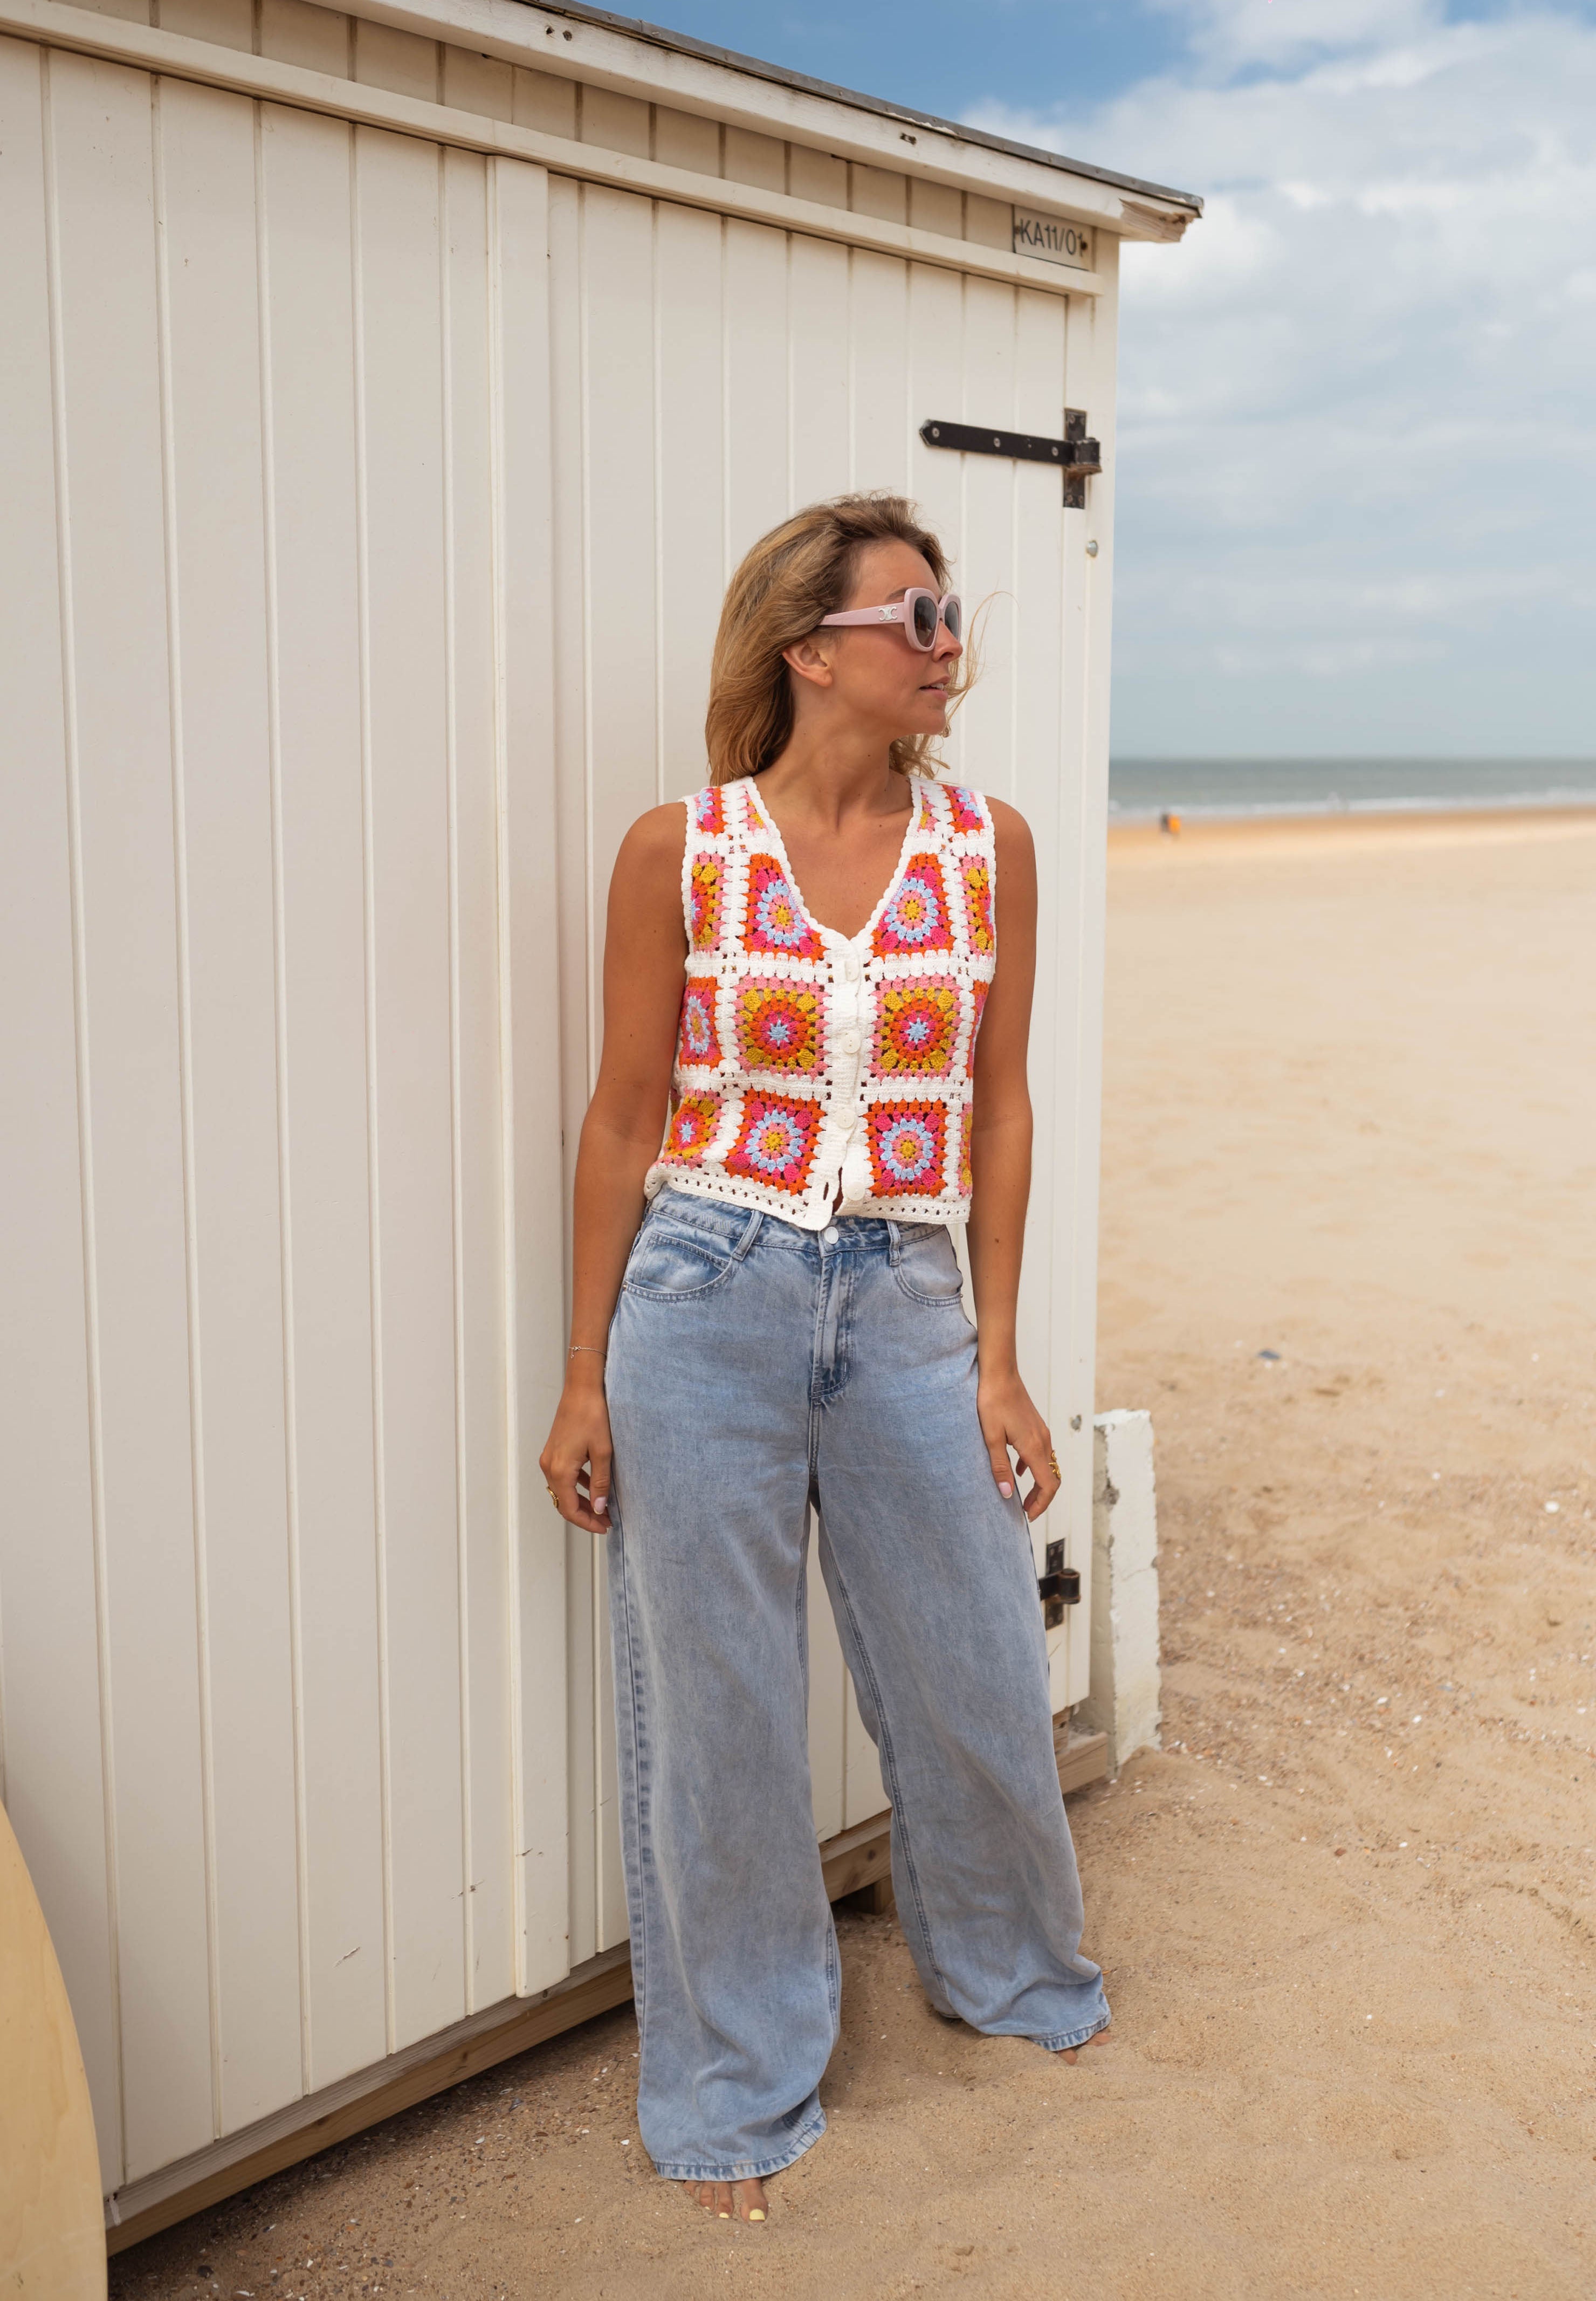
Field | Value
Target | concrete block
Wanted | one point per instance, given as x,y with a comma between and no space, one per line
1124,1697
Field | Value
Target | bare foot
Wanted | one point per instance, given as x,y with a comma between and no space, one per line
740,2201
1073,2053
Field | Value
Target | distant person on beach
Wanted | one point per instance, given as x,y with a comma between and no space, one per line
767,1317
1169,824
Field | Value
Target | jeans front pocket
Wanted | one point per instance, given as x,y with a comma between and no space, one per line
926,1267
674,1263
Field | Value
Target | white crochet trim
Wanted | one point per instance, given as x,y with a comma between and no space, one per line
850,979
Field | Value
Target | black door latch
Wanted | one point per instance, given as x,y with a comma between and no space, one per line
1059,1587
1075,455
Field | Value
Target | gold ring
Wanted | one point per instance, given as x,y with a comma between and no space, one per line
1053,1463
553,1497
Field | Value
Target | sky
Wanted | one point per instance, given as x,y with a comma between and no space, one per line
1357,476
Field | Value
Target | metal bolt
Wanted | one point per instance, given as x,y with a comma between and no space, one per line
1092,548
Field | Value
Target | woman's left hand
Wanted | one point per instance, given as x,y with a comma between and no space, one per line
1010,1423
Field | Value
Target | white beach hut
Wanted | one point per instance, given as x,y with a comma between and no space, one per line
385,396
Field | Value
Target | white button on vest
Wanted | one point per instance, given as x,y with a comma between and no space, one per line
851,1043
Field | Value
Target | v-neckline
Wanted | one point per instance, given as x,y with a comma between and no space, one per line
835,934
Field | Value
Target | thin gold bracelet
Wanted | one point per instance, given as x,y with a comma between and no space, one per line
573,1347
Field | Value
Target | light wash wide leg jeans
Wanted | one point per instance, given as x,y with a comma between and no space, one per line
754,1368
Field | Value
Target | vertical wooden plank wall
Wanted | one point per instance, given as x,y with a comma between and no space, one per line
279,936
54,1747
575,987
100,182
209,305
305,231
532,1256
1093,336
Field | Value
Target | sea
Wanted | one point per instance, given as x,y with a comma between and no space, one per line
1139,790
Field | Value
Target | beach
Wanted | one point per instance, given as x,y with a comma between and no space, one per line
1346,1913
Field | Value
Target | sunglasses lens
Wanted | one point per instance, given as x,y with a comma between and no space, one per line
953,616
926,619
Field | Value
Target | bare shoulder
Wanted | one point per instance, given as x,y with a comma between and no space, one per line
1011,836
656,837
645,905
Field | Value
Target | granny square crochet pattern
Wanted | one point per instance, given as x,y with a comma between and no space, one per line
981,990
775,1143
704,903
908,1144
916,1023
708,810
688,1132
978,904
775,920
697,1043
809,1061
779,1024
916,917
966,808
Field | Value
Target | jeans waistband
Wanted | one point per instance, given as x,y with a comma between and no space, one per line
742,1227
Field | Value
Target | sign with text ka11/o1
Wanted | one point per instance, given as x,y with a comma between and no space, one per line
1054,239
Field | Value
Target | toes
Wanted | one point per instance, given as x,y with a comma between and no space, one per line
742,2201
1073,2053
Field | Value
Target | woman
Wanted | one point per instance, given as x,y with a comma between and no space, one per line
794,983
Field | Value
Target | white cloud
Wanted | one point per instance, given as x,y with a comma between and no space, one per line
1230,35
1358,423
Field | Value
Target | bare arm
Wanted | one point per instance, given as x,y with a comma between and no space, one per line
644,948
1000,1158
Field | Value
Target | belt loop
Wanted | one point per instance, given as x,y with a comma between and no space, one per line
751,1229
895,1236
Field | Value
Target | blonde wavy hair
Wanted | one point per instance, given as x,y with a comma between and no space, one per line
800,572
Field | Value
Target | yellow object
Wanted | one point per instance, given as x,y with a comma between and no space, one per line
52,2220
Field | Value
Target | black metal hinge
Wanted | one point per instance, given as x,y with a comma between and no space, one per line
1059,1587
1076,456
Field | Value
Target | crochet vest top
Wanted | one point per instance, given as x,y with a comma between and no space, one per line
806,1058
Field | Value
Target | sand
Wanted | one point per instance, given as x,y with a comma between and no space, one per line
1346,1913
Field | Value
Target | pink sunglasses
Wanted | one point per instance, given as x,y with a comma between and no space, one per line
918,612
